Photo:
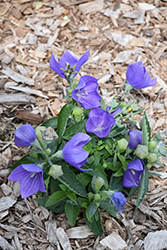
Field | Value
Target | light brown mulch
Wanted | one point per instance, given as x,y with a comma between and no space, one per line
117,33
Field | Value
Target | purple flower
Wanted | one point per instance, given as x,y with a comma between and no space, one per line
135,138
69,63
132,175
31,178
24,135
138,77
86,92
118,110
119,201
99,122
73,151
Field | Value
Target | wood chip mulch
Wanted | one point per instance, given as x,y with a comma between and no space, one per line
117,33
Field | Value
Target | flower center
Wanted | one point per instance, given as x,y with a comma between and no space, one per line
98,128
132,171
81,94
33,174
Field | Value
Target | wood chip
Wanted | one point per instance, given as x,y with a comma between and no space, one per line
63,239
5,245
16,99
113,242
17,77
5,203
156,240
79,232
91,6
122,57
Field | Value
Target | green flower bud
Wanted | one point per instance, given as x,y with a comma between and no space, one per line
148,166
69,92
122,144
103,197
77,113
39,131
90,196
151,145
152,158
48,151
97,197
98,183
141,151
55,171
34,155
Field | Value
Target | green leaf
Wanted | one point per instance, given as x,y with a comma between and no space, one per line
123,161
115,130
162,149
143,187
72,212
84,178
42,200
83,202
74,129
99,172
95,226
153,174
52,122
72,196
62,119
92,209
70,180
102,102
120,172
97,157
146,130
55,197
109,207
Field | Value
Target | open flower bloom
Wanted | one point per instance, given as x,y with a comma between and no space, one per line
73,151
68,62
132,175
138,77
86,92
99,122
31,178
119,201
135,138
24,135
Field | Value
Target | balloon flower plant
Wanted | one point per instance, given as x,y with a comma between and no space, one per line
91,155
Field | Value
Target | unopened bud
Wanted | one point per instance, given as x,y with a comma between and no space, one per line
152,158
77,113
97,197
55,171
122,144
98,183
151,145
141,151
90,196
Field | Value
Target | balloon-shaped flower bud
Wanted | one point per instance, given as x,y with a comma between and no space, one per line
77,113
151,145
24,135
73,151
86,92
135,138
99,122
55,171
122,144
152,158
39,134
132,175
138,76
119,201
69,65
31,178
98,183
141,151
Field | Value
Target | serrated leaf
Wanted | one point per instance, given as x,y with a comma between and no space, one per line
72,212
70,180
74,129
55,197
95,226
92,209
109,207
62,119
146,130
123,161
143,187
84,178
52,122
72,196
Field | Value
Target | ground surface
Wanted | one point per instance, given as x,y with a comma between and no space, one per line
117,33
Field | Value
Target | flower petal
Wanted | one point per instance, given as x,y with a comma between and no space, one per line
18,174
55,66
82,60
67,58
24,135
135,138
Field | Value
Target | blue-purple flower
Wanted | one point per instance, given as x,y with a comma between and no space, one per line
138,76
132,175
68,65
135,138
117,111
24,135
86,92
73,151
119,201
31,178
99,122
